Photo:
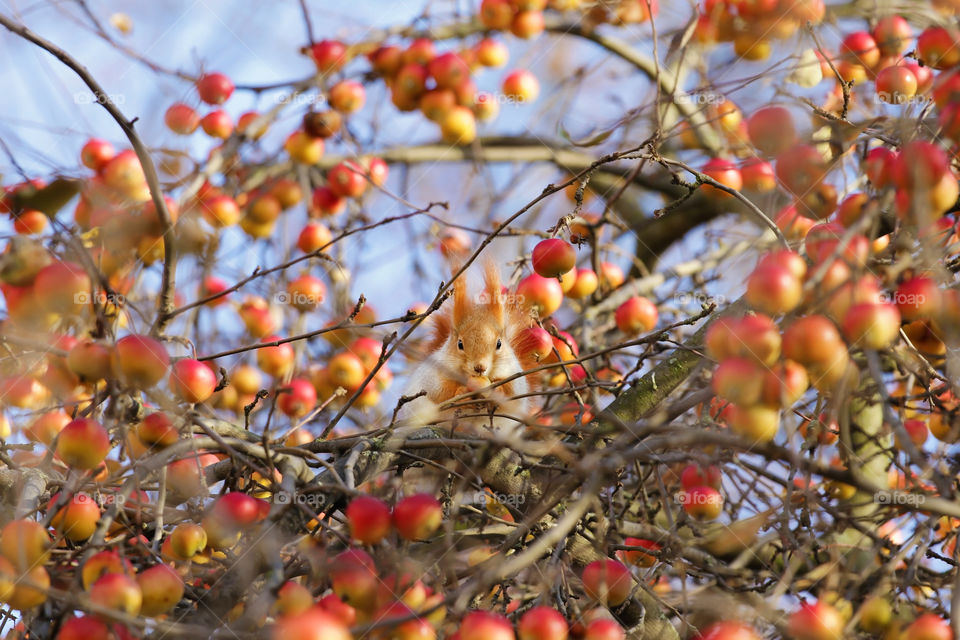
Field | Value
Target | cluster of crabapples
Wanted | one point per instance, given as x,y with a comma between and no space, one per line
525,18
876,55
125,231
820,620
354,358
441,84
438,84
360,594
752,25
773,153
557,277
257,211
762,370
923,187
851,299
110,580
555,259
127,579
117,200
823,619
45,292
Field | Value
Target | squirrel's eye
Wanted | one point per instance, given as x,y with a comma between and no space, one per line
460,345
498,343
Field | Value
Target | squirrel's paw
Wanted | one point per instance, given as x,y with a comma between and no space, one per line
420,412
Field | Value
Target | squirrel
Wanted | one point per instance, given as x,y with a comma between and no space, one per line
476,343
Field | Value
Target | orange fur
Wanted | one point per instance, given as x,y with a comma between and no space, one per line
442,326
494,291
461,301
464,349
448,389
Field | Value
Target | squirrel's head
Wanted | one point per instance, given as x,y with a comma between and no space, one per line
479,331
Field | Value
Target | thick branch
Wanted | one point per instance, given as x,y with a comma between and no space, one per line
657,384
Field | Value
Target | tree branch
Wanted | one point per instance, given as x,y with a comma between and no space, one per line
149,169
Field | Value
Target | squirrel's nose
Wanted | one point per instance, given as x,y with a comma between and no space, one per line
479,368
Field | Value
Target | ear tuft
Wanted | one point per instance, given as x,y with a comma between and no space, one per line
493,290
461,301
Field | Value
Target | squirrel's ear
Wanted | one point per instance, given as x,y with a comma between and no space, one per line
494,290
441,330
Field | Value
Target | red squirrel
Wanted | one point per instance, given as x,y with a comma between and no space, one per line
475,344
